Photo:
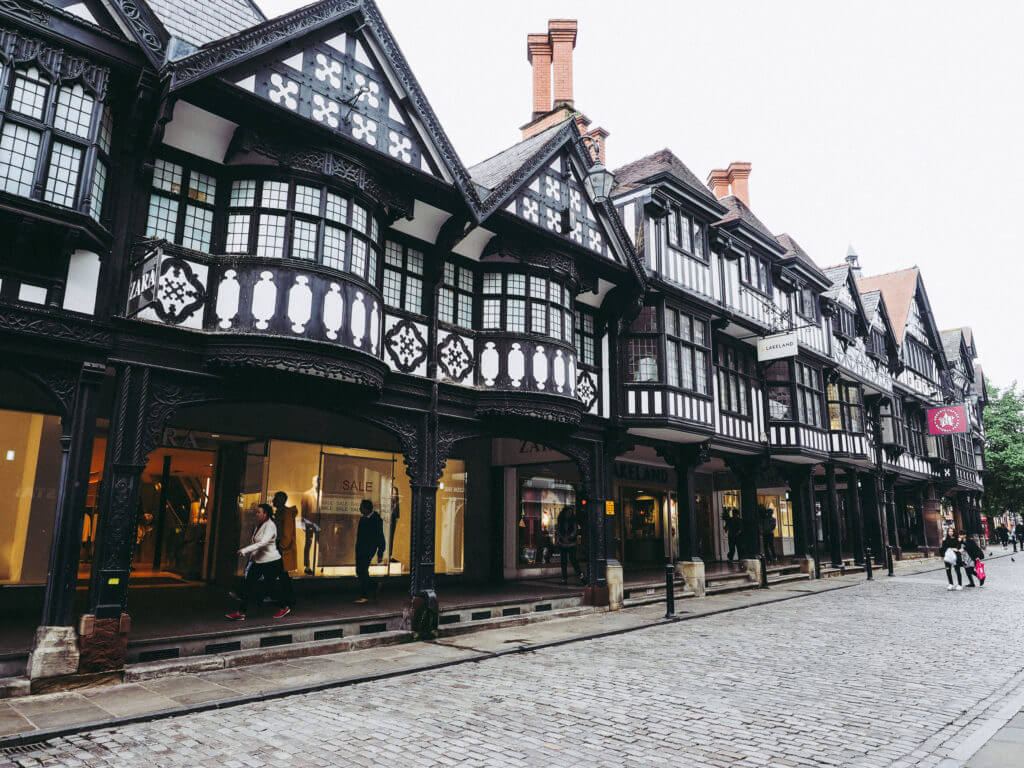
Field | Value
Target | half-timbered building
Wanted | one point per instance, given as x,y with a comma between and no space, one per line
244,264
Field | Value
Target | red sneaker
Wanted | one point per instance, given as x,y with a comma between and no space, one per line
236,616
282,613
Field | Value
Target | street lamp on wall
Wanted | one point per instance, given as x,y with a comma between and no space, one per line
599,180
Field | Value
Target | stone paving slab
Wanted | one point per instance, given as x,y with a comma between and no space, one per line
22,717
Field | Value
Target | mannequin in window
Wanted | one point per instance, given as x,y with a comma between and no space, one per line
395,513
310,505
284,519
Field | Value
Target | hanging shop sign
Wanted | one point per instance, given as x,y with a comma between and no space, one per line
947,420
144,279
777,346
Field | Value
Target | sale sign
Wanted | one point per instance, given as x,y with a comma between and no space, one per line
947,420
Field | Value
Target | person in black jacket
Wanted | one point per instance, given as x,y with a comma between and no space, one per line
951,542
567,536
975,553
369,542
733,531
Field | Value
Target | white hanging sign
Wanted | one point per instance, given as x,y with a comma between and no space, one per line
777,346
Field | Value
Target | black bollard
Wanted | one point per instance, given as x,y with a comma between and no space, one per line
867,563
890,557
764,570
670,593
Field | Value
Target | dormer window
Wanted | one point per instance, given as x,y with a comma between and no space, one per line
877,346
685,234
918,357
844,323
806,303
754,272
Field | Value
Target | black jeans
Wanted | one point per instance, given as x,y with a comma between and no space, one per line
949,574
270,576
971,573
568,554
734,546
363,574
769,546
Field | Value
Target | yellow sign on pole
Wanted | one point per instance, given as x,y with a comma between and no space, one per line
609,507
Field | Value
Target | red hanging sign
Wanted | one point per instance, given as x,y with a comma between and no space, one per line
947,420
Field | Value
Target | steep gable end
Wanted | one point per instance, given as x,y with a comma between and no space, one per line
335,79
555,199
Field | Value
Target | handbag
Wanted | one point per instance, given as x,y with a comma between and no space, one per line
979,568
950,557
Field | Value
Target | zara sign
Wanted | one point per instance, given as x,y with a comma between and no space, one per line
776,347
144,280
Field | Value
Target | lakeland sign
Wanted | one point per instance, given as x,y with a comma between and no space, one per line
776,347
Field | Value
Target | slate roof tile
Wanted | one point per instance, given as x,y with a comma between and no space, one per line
490,173
635,174
202,21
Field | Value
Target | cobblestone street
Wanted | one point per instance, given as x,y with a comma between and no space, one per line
896,672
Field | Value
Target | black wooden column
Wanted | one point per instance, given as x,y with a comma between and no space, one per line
685,459
835,525
873,512
118,503
595,464
889,486
65,550
856,517
746,471
804,520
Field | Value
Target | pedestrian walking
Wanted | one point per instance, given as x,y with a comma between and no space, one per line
264,567
733,531
1020,534
369,542
950,550
973,555
768,534
567,537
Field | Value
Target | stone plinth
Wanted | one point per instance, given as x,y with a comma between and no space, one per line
692,572
54,653
614,578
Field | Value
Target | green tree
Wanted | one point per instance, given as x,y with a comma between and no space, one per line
1004,449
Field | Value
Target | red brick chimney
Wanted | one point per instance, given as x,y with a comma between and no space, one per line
550,54
562,34
538,53
731,181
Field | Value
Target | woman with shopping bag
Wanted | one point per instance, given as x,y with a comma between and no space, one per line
950,550
973,556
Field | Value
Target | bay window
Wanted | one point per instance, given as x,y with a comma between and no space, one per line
844,323
520,303
806,303
736,369
894,426
917,430
795,393
295,219
687,351
49,132
181,205
845,407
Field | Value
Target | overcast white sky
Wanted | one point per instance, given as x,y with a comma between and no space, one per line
896,127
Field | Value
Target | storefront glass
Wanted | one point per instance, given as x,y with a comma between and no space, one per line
541,499
319,490
783,511
644,522
30,459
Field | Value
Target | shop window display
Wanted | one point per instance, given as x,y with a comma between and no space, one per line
30,458
540,501
323,487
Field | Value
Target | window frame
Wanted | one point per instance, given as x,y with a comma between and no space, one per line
839,394
49,136
694,244
804,398
581,336
804,298
755,273
729,371
190,165
675,340
460,296
504,296
406,274
371,270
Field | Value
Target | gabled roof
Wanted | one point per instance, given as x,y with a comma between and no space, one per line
738,212
490,173
199,22
898,289
640,172
837,276
794,251
951,341
323,22
871,301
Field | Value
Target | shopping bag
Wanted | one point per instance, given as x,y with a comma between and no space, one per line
979,568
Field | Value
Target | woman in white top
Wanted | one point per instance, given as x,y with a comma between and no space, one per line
264,563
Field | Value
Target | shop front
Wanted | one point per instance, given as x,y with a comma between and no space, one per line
647,515
540,486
